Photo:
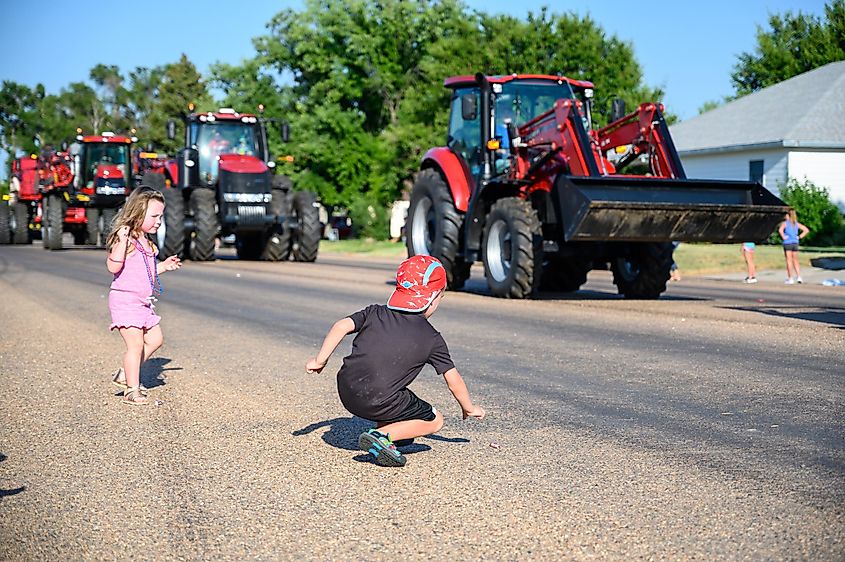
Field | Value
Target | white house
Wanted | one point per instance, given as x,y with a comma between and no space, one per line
794,129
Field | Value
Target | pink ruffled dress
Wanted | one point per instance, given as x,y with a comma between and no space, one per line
131,294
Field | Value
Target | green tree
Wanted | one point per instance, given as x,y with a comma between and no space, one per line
19,116
794,44
815,210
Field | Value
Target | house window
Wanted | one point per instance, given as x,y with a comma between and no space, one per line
755,172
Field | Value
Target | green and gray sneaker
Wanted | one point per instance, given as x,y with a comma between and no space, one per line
381,448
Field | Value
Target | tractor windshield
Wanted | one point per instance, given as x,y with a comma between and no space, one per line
522,100
214,139
105,161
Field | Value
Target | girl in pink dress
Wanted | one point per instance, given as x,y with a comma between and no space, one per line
132,260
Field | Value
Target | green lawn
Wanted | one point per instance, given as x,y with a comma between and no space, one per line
692,259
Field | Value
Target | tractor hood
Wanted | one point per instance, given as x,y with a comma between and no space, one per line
242,164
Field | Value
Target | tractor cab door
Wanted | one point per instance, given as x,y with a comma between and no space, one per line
465,129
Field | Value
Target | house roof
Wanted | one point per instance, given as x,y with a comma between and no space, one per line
807,110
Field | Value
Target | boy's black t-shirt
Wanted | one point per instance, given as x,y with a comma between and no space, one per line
388,352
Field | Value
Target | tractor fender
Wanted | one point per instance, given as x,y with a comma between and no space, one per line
172,172
455,172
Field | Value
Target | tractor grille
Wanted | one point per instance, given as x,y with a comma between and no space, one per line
251,214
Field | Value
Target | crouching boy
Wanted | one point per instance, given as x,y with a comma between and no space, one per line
391,346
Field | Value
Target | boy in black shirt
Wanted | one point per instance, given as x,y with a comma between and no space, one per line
392,345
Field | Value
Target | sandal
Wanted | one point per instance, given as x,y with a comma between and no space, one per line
134,397
119,380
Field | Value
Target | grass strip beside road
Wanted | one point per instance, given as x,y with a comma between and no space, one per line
692,259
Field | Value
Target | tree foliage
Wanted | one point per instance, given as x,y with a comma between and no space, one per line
815,210
794,44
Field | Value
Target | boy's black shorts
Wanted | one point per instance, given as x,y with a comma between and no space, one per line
417,409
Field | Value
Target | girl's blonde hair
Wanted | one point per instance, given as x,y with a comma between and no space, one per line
793,216
132,213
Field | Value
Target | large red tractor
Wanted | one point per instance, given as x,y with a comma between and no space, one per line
103,179
17,220
221,184
528,187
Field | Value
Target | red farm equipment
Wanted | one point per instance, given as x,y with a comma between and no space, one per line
103,179
528,187
221,184
17,220
60,210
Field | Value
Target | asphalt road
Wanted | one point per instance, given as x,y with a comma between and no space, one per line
705,425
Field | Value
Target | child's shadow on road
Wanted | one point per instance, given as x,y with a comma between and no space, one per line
343,434
152,373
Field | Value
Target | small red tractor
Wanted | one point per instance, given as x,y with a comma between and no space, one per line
59,210
103,179
220,184
527,186
17,217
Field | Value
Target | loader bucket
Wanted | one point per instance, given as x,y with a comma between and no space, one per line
645,209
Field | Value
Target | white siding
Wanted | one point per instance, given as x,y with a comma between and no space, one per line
823,168
734,166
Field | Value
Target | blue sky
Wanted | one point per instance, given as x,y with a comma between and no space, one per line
687,48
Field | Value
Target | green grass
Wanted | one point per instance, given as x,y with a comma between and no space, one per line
692,259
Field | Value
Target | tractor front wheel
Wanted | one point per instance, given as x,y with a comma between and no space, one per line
306,239
54,217
205,221
5,222
21,232
433,226
278,243
513,249
92,226
248,246
644,271
565,275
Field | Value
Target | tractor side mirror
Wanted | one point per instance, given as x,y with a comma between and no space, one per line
171,129
284,129
469,107
617,109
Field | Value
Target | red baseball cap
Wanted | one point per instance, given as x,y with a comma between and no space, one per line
419,280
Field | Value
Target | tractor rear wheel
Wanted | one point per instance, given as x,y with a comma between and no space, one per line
643,273
92,226
54,216
512,249
565,275
277,245
206,226
5,222
21,232
248,246
433,226
306,239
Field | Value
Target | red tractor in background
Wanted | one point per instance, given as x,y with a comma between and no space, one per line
528,187
60,209
103,178
23,203
221,184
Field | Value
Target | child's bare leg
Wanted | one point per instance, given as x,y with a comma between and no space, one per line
409,429
134,340
153,338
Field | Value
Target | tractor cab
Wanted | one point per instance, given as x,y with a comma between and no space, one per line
103,168
226,136
514,101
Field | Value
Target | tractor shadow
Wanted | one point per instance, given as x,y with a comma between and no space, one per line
831,316
12,491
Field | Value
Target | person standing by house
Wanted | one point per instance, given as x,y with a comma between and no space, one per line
792,231
747,250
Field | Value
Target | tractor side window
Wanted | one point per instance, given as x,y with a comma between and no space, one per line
465,135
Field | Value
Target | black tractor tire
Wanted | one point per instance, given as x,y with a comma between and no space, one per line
80,236
565,275
433,226
306,238
54,217
644,272
277,246
108,219
92,227
206,224
5,222
249,245
512,249
21,232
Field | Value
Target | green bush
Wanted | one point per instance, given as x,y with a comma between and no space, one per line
369,219
815,211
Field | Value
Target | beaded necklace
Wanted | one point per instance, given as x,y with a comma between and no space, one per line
152,271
